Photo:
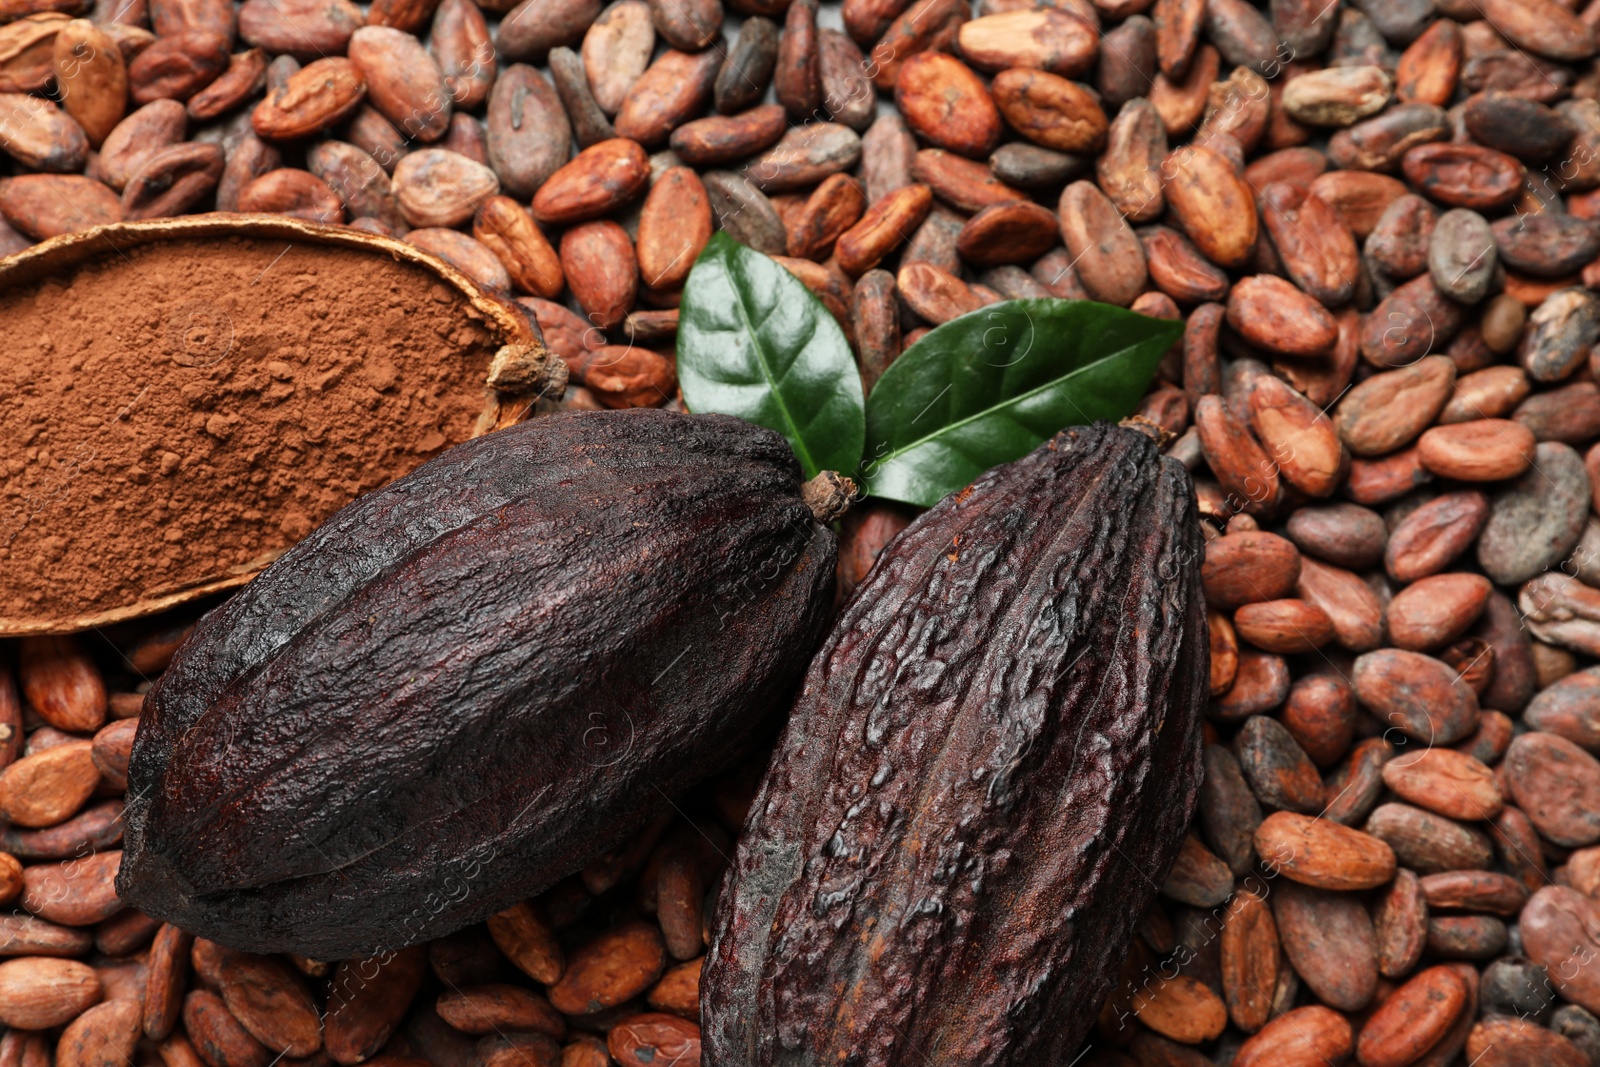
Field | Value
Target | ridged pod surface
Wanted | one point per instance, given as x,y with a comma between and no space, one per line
984,779
467,684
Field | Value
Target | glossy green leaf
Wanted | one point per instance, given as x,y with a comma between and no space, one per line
992,385
754,342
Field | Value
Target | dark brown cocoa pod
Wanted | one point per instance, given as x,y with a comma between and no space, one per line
886,746
648,685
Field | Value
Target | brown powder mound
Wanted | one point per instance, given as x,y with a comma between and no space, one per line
185,410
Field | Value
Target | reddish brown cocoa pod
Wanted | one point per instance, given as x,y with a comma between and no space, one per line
737,980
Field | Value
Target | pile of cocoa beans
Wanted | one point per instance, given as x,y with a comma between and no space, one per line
1379,223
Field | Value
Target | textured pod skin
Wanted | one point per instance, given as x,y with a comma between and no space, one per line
984,779
467,684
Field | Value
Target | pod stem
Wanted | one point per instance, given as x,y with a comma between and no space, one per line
1151,429
829,495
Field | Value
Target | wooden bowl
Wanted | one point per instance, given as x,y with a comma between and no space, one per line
40,526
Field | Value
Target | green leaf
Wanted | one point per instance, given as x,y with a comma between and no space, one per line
992,385
754,342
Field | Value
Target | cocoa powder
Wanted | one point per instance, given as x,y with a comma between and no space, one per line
217,399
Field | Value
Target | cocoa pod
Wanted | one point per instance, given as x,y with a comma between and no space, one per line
749,967
194,717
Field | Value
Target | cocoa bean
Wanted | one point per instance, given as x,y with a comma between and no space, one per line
1427,842
1329,940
